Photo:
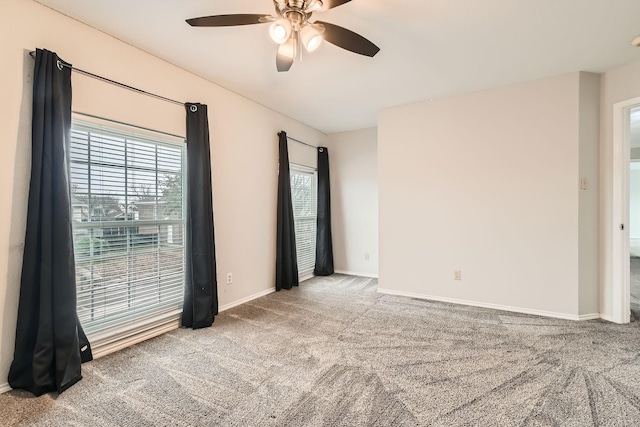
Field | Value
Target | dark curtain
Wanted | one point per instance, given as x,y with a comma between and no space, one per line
201,289
286,257
50,343
324,244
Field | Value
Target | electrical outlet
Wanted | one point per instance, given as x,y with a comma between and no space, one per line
457,275
229,278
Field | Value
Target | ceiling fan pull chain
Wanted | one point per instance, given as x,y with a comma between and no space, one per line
298,43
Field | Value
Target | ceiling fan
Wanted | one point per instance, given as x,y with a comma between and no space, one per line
292,28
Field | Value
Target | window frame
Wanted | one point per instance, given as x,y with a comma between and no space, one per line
307,272
147,323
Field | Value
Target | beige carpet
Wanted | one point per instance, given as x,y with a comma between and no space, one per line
336,353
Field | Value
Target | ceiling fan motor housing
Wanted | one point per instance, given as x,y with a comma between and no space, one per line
291,27
296,17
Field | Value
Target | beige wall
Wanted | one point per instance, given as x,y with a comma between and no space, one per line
243,138
353,162
301,154
486,183
619,84
588,208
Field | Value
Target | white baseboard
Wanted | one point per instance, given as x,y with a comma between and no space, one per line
592,316
608,318
5,388
355,273
245,300
521,310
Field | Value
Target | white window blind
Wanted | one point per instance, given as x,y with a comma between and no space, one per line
128,201
304,195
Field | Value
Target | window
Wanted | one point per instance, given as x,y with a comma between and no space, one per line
303,195
128,201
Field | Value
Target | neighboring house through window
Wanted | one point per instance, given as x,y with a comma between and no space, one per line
128,200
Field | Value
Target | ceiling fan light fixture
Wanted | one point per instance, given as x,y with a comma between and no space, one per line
313,5
280,31
291,28
636,42
311,36
283,3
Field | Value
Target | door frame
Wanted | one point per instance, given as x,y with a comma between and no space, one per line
621,285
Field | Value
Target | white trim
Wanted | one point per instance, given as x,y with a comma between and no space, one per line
302,168
247,299
607,318
5,388
354,273
126,127
592,316
110,343
306,277
522,310
620,271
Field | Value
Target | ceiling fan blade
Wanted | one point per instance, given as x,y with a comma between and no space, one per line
348,40
285,55
227,20
330,4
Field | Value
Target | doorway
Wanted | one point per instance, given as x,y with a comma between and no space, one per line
634,211
625,284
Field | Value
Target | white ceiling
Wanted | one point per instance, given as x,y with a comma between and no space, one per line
429,48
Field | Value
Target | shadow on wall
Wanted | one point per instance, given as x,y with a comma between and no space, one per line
18,216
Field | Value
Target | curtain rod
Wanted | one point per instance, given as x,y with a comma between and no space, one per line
300,142
115,83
